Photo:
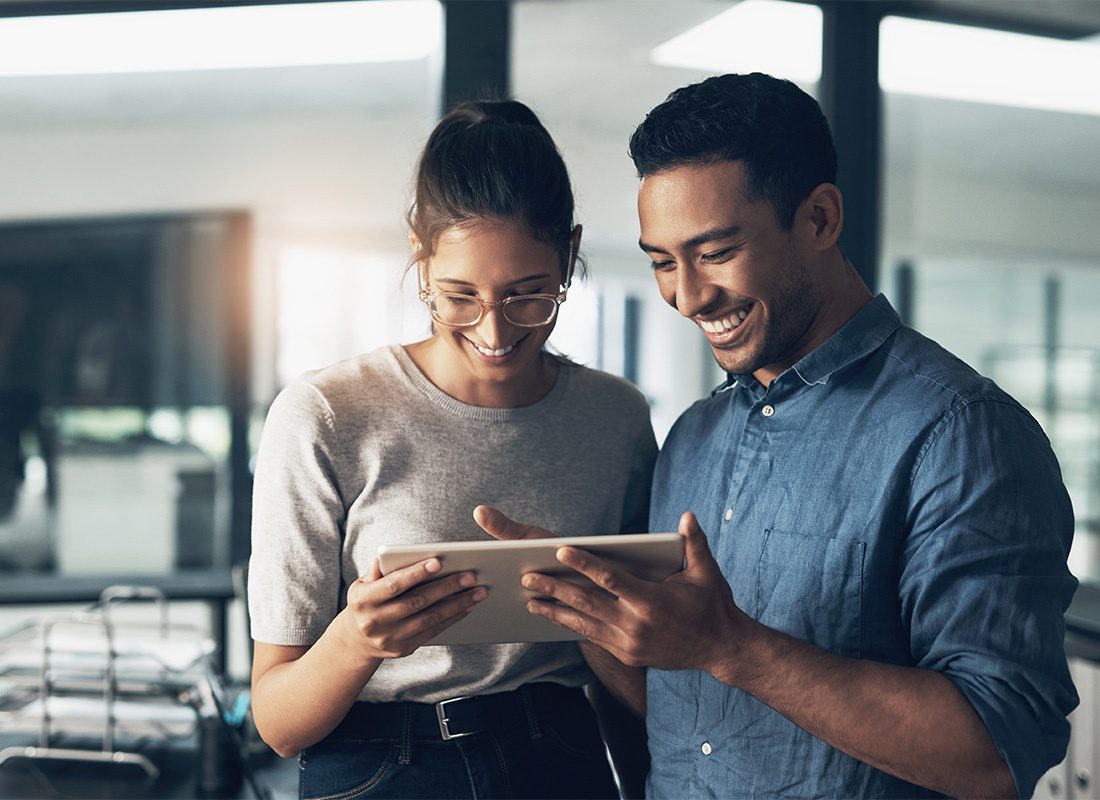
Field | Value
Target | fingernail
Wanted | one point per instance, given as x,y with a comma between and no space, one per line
532,608
467,579
480,594
432,565
529,582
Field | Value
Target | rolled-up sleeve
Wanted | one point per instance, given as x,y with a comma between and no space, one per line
984,580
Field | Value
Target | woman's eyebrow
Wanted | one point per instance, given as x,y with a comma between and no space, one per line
529,278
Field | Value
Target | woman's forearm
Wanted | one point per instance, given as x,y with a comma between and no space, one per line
297,703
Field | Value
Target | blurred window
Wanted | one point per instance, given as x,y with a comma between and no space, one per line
622,58
990,241
130,147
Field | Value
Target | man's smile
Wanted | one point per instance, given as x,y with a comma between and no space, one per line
722,330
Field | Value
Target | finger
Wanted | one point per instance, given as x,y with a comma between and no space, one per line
499,526
401,580
587,627
425,595
440,616
375,571
696,550
588,601
603,573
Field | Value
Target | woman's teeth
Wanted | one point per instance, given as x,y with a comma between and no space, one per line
726,323
488,352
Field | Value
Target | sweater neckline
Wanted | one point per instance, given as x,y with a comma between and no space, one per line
482,413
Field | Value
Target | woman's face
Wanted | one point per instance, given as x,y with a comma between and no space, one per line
492,261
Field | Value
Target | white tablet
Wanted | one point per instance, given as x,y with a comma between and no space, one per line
500,565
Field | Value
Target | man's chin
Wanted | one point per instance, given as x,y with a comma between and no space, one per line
735,364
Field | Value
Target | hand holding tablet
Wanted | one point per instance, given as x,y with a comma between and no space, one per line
501,565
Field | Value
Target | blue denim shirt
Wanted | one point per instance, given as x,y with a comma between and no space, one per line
883,501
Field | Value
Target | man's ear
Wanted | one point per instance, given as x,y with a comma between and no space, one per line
821,216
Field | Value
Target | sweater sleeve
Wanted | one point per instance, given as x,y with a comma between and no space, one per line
298,519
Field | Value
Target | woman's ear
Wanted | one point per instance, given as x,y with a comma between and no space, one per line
421,263
823,219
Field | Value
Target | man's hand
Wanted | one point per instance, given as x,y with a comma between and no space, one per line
497,525
684,622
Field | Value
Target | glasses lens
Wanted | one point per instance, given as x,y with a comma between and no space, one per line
455,309
529,311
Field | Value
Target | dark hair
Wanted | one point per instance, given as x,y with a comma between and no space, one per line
490,160
774,128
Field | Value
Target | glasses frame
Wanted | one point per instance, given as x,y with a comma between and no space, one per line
428,299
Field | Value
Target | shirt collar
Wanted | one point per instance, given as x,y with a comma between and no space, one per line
858,337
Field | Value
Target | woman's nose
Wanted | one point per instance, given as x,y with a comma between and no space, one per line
493,327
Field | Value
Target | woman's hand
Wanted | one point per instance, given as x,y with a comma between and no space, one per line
391,616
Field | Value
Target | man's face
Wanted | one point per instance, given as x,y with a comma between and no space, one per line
725,263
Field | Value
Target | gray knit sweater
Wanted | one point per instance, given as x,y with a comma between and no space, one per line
369,451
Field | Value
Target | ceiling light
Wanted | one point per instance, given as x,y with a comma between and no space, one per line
980,65
772,36
241,37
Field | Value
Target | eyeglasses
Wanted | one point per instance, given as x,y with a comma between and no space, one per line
464,311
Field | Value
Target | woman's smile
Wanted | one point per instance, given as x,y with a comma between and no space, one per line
495,356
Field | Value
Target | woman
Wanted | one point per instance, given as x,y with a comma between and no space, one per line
399,446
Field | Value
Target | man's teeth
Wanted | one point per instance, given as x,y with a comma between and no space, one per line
487,352
724,324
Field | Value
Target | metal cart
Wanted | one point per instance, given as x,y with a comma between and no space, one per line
93,675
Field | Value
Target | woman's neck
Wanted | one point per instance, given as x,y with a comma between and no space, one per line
526,388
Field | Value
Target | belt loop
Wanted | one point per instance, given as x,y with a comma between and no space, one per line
404,758
529,710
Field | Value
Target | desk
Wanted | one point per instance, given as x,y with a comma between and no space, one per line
214,587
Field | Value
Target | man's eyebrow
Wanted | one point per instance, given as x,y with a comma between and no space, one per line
712,235
529,278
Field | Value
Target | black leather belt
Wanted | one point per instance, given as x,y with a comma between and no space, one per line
458,716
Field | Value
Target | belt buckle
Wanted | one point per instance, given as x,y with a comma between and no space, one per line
441,715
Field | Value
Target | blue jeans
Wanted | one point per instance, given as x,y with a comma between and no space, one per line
556,752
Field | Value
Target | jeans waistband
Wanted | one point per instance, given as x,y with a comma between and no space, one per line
460,716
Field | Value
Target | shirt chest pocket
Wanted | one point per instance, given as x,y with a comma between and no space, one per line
811,588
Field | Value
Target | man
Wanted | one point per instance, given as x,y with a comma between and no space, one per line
875,607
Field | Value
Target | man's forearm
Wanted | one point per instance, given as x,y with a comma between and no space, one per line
913,723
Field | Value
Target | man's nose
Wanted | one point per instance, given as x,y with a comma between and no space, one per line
694,293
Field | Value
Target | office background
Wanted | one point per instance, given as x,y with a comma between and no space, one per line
179,239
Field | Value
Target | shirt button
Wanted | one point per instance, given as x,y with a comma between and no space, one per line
767,411
728,515
707,749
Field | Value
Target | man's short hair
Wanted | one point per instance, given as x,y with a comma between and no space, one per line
770,125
